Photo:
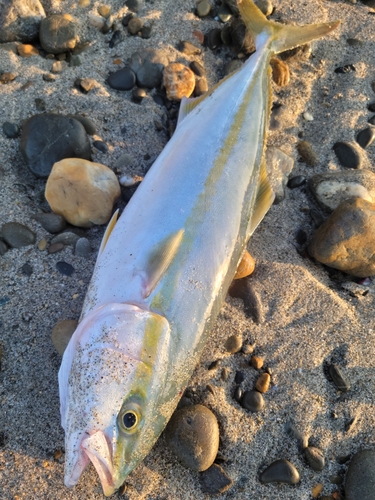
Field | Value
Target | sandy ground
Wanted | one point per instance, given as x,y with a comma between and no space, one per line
309,318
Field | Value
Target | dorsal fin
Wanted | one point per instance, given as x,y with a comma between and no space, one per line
160,259
263,201
108,231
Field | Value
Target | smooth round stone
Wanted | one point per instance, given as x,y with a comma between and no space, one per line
280,471
189,49
296,181
125,20
198,69
238,393
146,32
224,13
58,33
360,478
348,154
62,333
86,122
203,8
135,25
20,20
257,362
252,401
263,382
148,65
83,247
239,377
315,458
241,38
7,77
366,137
52,223
100,146
280,72
11,130
193,435
265,6
108,24
134,5
179,81
67,238
56,247
17,235
215,480
233,343
138,94
201,87
214,39
307,153
48,138
3,248
124,79
65,268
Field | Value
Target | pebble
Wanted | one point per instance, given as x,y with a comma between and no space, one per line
48,138
263,383
7,77
27,269
62,333
49,77
349,154
75,182
86,84
42,245
245,267
134,5
355,289
59,66
203,8
148,65
125,20
146,32
27,50
248,348
280,72
224,13
17,235
346,240
241,38
360,478
265,6
238,392
83,248
135,25
65,268
105,10
179,81
50,222
40,104
215,364
280,471
198,69
20,22
3,248
101,146
11,130
193,435
315,458
366,137
332,188
117,37
66,238
225,374
252,401
279,165
296,181
108,24
316,490
308,116
257,362
316,217
127,180
58,33
201,87
215,480
233,344
189,49
239,377
55,248
243,289
307,153
124,79
96,21
349,68
338,378
86,122
214,39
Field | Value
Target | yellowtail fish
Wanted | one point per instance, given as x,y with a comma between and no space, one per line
165,266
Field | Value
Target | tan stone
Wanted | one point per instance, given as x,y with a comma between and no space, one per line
263,383
280,72
61,334
27,50
179,81
257,362
104,10
245,267
82,192
346,240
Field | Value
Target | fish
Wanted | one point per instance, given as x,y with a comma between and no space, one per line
164,267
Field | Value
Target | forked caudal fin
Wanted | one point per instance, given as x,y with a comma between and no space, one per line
283,37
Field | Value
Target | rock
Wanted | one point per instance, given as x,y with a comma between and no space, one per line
56,247
48,138
59,66
338,378
17,235
135,25
348,68
232,4
148,65
65,268
346,240
332,188
241,38
20,20
349,154
124,79
239,377
62,333
11,130
42,244
27,269
265,6
238,393
7,77
360,478
134,5
224,13
296,181
201,87
66,238
307,153
86,122
146,32
27,50
280,471
105,10
257,362
189,49
79,183
203,8
179,81
83,247
215,480
263,383
315,458
279,166
138,94
233,344
280,72
108,24
58,33
245,267
117,37
101,146
366,137
51,222
86,84
49,77
198,69
308,116
214,39
193,435
96,21
252,401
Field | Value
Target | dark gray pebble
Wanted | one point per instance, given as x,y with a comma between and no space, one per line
365,137
360,478
124,79
252,401
296,181
101,146
83,247
134,5
372,120
214,39
3,248
17,235
135,25
215,480
11,130
315,458
280,471
117,37
125,20
345,69
51,222
233,344
238,392
301,237
67,238
239,377
146,32
189,48
198,69
226,36
87,123
65,268
27,269
108,24
224,13
348,154
338,378
148,65
354,42
138,94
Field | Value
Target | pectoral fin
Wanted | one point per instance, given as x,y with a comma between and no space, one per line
160,259
263,201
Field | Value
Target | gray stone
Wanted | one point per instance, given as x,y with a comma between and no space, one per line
67,238
307,153
52,223
349,154
20,20
58,33
87,123
83,248
11,130
315,458
203,8
193,435
215,480
265,6
252,401
366,137
224,13
280,471
148,65
278,165
17,235
233,344
338,378
3,248
124,79
332,188
135,25
360,478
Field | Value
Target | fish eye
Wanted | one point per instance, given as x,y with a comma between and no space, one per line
130,420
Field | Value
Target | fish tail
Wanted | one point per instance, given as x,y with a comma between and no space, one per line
283,37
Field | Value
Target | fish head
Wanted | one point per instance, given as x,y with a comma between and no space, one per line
114,395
